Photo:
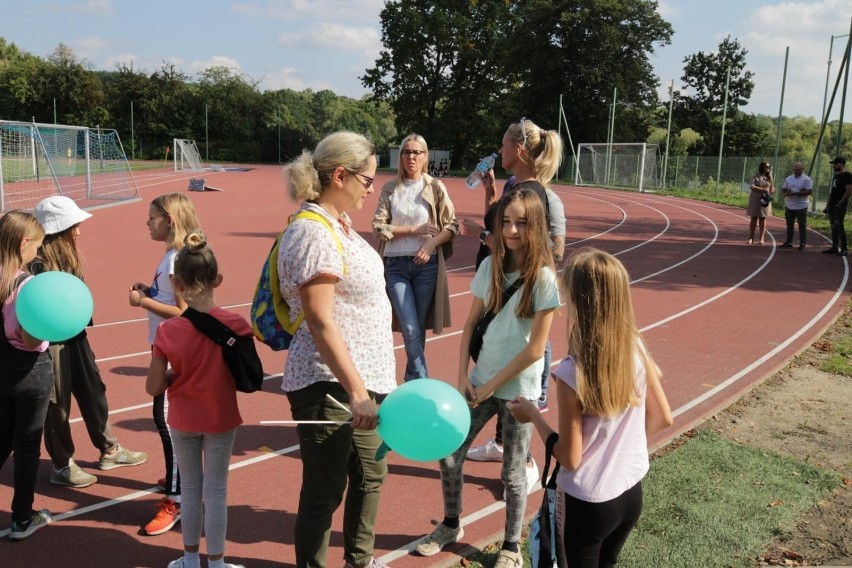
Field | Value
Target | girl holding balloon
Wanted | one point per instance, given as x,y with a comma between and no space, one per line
74,368
171,217
518,284
610,400
26,371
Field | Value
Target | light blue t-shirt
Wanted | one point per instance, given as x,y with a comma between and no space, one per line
508,334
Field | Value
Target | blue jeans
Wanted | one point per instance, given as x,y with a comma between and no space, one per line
27,380
411,289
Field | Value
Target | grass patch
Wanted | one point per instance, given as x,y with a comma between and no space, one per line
843,346
713,502
838,365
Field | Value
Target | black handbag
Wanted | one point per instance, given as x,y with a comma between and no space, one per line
238,351
482,325
765,199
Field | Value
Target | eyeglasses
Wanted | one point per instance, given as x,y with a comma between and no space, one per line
415,153
368,181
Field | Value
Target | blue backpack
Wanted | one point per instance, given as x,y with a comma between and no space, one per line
270,313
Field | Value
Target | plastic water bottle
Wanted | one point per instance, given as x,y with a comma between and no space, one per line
475,177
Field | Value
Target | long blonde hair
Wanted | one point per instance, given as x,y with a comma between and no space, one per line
603,338
181,211
59,252
537,255
15,226
544,148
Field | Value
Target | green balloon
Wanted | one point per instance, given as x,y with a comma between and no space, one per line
424,420
54,306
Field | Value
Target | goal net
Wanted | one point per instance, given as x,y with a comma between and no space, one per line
40,160
187,158
621,165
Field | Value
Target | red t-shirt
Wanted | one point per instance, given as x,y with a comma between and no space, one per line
202,394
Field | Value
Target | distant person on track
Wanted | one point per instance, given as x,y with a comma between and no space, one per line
171,217
518,284
760,185
610,400
75,371
414,219
796,190
26,375
203,400
838,203
342,356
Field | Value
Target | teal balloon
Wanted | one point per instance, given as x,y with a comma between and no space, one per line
54,306
424,420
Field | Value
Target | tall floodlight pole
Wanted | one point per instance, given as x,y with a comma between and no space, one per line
132,135
611,136
206,137
845,85
815,174
668,133
781,110
724,118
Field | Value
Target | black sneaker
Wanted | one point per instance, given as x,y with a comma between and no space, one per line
801,246
831,250
787,245
844,252
38,521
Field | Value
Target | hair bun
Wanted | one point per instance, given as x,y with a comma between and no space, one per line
196,241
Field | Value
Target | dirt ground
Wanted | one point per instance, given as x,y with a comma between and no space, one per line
806,413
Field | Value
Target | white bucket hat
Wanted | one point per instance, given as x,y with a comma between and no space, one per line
59,213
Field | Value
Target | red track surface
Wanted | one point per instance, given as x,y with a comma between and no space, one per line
719,316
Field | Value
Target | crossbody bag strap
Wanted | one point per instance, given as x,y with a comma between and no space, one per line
548,453
211,327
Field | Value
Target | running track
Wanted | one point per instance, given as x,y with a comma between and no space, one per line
718,315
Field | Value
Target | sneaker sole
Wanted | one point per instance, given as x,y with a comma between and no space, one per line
163,530
25,534
440,548
109,466
485,459
72,485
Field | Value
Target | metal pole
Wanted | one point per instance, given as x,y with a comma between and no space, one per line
611,135
54,111
815,172
845,85
132,135
668,133
206,137
724,118
780,113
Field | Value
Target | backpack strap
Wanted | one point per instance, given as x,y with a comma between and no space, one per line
211,327
314,216
548,452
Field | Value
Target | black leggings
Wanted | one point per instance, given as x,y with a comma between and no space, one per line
172,474
595,533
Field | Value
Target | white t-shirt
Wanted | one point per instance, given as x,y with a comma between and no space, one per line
796,185
615,450
162,291
408,209
362,310
508,334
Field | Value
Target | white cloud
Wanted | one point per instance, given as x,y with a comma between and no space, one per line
92,8
806,27
215,61
290,78
290,10
335,37
667,11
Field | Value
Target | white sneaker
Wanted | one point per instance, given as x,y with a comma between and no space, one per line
440,537
491,451
533,478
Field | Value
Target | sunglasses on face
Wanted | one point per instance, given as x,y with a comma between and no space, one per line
415,153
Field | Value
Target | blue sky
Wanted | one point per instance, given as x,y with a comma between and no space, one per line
327,44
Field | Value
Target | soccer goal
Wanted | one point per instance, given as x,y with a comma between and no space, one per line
40,160
628,165
187,158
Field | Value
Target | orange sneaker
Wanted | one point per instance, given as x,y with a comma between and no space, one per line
168,514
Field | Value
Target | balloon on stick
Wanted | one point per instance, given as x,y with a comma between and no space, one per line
54,306
424,420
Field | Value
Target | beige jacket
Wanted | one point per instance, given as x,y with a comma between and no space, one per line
441,213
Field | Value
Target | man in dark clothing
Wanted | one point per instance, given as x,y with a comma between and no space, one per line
838,202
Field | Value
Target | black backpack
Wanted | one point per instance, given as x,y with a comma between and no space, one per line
238,351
